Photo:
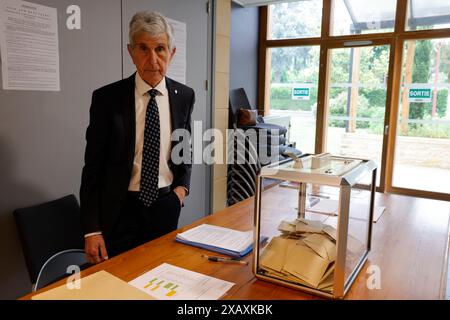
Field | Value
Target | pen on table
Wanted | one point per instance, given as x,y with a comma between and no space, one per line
226,260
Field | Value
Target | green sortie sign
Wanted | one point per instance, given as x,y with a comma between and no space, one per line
419,95
300,93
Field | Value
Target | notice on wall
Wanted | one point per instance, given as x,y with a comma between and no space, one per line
177,68
29,46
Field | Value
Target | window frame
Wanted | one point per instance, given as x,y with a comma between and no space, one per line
327,41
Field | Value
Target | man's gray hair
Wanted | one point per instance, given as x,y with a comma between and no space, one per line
153,23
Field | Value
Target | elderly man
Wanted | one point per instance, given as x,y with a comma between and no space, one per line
131,192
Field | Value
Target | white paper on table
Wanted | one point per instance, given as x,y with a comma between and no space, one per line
168,282
29,46
221,237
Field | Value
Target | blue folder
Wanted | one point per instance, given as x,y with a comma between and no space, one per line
235,254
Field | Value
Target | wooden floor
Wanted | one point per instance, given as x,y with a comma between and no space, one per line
409,246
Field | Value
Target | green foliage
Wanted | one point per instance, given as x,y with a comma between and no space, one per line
445,61
295,64
441,103
376,127
374,65
338,107
296,19
365,110
441,106
280,93
340,67
293,105
373,113
376,97
378,53
429,131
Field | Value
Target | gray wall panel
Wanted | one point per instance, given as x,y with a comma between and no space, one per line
42,133
244,50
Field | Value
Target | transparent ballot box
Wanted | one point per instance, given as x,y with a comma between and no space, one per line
316,212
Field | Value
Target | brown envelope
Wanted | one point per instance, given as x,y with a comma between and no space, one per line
274,255
304,225
306,264
323,246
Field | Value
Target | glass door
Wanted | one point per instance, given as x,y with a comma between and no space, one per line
357,89
293,91
422,146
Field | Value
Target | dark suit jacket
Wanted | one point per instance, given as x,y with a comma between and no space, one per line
110,149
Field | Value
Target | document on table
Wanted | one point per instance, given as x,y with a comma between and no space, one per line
219,239
98,286
168,282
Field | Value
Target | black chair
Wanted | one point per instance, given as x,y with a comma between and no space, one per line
239,100
270,139
243,170
52,239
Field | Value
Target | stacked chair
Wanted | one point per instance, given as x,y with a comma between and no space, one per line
252,147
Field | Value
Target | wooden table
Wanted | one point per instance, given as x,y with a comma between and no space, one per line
409,246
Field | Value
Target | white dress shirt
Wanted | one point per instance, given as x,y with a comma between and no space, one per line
142,98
